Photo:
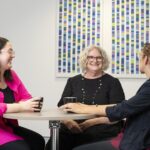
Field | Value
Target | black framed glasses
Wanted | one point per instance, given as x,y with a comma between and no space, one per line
92,58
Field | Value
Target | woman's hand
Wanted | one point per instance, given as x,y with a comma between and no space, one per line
89,123
28,105
99,110
73,126
77,108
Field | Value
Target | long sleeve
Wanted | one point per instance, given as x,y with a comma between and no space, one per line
116,94
67,92
24,94
21,91
135,105
3,108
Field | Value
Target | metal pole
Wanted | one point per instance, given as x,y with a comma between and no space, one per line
54,128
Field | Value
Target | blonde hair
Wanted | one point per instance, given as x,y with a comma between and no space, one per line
146,49
84,57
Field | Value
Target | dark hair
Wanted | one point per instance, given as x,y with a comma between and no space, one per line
7,73
146,49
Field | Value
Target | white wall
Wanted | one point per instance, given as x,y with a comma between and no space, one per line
30,25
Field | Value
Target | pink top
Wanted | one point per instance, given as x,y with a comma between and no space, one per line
20,93
116,141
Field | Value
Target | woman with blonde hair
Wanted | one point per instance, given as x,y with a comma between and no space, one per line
92,87
136,110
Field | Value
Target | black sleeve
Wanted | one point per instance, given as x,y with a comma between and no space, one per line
116,94
67,92
135,105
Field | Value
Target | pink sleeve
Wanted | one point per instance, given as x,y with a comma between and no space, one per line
3,108
22,91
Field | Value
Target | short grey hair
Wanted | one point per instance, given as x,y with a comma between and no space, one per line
84,54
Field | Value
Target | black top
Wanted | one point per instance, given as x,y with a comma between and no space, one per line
8,95
8,98
137,112
110,92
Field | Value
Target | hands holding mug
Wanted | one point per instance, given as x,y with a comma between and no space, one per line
40,104
67,100
34,104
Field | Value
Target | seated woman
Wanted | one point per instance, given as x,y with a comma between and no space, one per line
93,87
15,98
136,134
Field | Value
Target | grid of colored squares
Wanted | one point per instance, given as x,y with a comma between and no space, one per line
78,27
130,30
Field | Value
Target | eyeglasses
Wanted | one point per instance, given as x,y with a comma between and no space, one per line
10,51
92,58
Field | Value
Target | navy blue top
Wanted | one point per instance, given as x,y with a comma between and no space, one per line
137,111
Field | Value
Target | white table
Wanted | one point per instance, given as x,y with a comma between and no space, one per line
54,116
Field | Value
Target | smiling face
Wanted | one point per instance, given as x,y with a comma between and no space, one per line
94,61
6,57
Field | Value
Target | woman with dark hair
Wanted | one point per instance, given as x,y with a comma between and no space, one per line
136,110
15,98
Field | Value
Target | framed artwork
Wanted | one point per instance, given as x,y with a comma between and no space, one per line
80,24
130,30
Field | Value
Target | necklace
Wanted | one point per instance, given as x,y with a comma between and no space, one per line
93,96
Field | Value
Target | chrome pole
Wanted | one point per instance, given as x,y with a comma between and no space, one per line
54,128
